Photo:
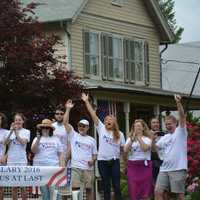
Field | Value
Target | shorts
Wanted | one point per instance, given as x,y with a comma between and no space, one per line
173,181
82,177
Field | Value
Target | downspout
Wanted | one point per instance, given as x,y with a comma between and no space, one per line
64,26
163,50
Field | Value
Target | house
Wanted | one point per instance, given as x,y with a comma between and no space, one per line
114,46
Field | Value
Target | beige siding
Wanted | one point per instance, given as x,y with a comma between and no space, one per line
132,11
86,21
62,47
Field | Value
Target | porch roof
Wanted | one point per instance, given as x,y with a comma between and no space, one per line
158,96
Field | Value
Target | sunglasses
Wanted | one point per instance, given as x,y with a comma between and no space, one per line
81,125
59,113
46,128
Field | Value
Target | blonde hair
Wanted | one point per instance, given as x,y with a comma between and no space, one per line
146,131
171,117
116,132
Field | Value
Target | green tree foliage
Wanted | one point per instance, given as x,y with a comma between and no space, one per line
167,8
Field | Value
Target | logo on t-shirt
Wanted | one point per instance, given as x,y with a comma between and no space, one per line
110,141
83,146
15,141
47,145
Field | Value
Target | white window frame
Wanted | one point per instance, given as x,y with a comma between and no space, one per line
92,76
122,59
137,82
134,61
123,78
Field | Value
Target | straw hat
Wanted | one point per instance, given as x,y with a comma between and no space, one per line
47,123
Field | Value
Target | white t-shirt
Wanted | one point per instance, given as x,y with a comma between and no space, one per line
82,150
108,149
61,133
137,153
48,151
174,150
3,134
17,151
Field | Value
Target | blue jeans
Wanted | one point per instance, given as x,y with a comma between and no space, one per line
47,193
110,171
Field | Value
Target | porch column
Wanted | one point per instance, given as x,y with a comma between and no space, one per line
127,111
156,110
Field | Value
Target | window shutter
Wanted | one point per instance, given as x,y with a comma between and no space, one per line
132,61
86,43
110,58
104,55
146,62
126,60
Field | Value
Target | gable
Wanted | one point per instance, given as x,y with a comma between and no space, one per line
142,12
131,11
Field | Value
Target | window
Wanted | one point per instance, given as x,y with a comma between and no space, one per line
91,50
112,57
136,61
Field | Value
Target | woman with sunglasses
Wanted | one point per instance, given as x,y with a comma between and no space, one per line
139,166
48,152
3,134
17,141
111,142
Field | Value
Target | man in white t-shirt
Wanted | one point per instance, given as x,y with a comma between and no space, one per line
173,145
60,130
83,153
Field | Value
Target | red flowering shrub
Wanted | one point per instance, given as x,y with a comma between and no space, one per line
193,149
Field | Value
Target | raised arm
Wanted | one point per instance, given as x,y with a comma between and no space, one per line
35,144
90,109
22,141
7,139
182,115
69,105
145,147
128,146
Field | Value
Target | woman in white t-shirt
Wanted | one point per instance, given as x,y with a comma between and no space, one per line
48,151
139,166
111,142
17,140
3,134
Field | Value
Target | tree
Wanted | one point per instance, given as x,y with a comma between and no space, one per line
32,78
167,8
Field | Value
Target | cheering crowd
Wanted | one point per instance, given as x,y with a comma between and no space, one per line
155,161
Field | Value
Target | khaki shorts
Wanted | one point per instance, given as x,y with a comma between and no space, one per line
82,177
173,181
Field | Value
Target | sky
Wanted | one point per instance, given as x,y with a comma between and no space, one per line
188,16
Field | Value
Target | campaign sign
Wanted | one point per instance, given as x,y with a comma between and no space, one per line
12,176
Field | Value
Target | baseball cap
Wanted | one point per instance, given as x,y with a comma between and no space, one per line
84,121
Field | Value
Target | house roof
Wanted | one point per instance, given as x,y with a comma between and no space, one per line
68,10
57,10
160,21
